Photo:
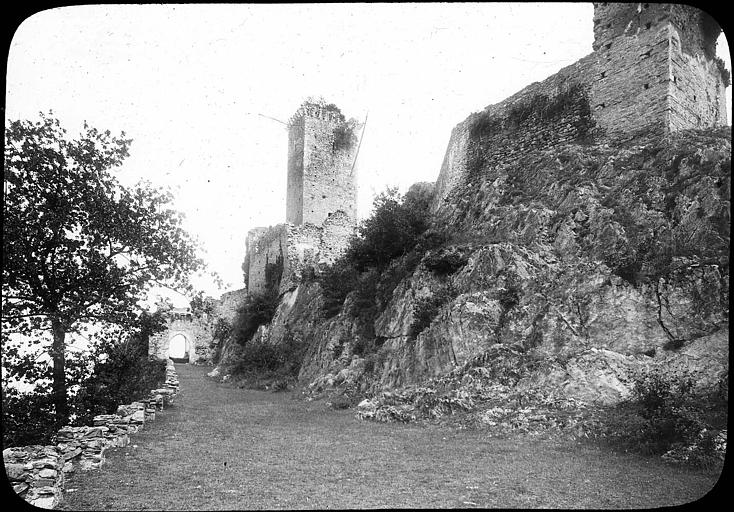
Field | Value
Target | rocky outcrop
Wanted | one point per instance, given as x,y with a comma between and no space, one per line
541,276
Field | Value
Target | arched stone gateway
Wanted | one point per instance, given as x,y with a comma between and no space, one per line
186,340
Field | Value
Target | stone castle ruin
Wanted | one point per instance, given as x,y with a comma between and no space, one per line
321,201
188,337
653,68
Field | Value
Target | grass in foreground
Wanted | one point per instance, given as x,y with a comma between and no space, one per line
225,448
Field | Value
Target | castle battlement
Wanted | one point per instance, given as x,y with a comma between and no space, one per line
317,111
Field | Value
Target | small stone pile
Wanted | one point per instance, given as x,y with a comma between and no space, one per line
37,472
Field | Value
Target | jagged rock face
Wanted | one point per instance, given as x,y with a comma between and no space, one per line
564,259
706,359
593,376
330,345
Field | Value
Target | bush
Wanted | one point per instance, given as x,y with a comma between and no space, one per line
665,416
258,357
270,364
445,262
394,229
256,310
126,375
427,308
337,280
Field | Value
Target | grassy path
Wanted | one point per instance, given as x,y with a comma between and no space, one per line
226,448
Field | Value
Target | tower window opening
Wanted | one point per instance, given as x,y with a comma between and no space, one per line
646,86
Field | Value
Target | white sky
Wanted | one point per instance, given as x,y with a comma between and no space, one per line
187,83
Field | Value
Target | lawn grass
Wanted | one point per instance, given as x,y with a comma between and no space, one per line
225,448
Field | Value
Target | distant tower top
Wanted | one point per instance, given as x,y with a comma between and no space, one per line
322,147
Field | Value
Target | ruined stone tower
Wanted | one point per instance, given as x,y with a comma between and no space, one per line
656,66
321,202
321,153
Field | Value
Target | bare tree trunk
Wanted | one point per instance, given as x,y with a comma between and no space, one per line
59,375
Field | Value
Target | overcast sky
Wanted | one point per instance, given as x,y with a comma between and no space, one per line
192,84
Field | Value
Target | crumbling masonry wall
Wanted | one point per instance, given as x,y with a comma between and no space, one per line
227,305
37,473
321,172
321,203
301,249
653,68
265,257
196,331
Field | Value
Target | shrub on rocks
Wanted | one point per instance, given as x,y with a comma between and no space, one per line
666,417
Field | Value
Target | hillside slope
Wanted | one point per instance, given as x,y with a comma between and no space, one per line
589,261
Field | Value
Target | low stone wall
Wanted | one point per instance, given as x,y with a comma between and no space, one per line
37,473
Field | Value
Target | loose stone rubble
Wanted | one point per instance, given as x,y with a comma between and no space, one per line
37,472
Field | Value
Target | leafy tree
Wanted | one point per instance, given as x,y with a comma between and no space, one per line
123,372
397,228
79,247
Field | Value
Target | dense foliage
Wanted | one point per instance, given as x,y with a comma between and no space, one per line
370,265
666,417
122,373
345,136
262,364
256,310
78,247
427,308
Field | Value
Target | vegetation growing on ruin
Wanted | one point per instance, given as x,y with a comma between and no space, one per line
255,310
539,108
273,273
571,103
345,135
345,130
393,231
725,75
